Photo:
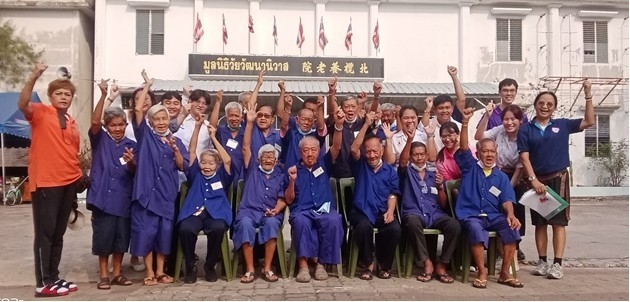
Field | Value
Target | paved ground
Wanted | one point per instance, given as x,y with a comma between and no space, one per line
596,269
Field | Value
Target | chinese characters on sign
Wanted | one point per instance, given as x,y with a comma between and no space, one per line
284,66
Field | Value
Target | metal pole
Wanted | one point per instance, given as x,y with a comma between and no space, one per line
4,192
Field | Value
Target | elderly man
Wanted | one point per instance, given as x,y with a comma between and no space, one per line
375,198
315,222
483,192
293,130
230,135
262,204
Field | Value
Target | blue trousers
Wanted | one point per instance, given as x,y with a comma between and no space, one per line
245,230
317,235
478,227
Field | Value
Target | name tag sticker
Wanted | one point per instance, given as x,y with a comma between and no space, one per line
495,191
434,190
122,161
278,147
555,129
217,185
232,143
356,133
318,172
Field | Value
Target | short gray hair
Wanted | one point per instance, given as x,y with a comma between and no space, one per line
155,109
388,106
267,148
112,113
243,95
233,105
309,139
350,98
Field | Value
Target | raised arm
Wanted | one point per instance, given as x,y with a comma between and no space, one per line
179,159
361,99
332,96
355,149
98,111
377,87
339,117
321,122
405,154
426,116
289,193
459,91
24,101
589,111
285,115
388,153
139,116
194,139
431,148
280,104
114,92
442,197
483,124
259,82
214,115
225,157
463,133
247,136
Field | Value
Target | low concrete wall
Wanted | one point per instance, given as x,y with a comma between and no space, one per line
598,191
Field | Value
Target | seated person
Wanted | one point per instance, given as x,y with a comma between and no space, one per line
315,223
206,206
375,198
484,190
258,210
423,200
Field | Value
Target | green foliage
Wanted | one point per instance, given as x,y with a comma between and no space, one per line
16,56
612,159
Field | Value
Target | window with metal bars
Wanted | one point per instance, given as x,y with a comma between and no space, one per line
509,40
150,32
597,136
595,37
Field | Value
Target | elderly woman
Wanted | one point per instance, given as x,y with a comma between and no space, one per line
259,210
207,206
109,196
152,209
54,171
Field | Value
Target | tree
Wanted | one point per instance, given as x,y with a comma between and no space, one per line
612,159
17,56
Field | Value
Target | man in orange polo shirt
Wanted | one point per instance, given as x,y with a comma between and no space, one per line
53,168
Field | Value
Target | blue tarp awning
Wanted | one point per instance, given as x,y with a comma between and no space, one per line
12,120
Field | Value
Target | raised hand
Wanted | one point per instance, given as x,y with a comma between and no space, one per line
171,141
288,101
387,130
467,114
212,130
147,80
102,85
332,85
38,70
282,86
377,87
292,173
370,117
261,76
186,108
429,103
199,120
362,97
438,179
320,100
187,90
251,112
219,96
452,70
430,129
340,117
490,107
587,88
114,91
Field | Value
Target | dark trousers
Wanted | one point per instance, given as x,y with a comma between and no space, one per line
170,259
414,232
386,239
51,210
189,229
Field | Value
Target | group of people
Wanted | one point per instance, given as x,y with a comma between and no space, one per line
398,165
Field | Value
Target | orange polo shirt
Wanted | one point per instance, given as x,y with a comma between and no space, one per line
53,159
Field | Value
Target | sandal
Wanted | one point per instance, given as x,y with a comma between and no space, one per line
444,278
424,277
150,281
103,284
511,282
121,280
269,276
249,277
384,275
480,283
164,279
366,275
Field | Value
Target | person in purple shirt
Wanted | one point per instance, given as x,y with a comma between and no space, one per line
508,88
152,208
422,207
230,135
293,130
206,206
109,195
315,223
375,196
258,210
485,203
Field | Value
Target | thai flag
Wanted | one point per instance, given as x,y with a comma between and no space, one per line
348,41
322,35
375,37
251,24
275,32
198,31
300,35
225,35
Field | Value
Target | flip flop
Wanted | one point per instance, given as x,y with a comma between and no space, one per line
121,280
150,281
384,275
480,283
164,279
103,284
249,277
366,275
269,276
444,278
511,282
424,277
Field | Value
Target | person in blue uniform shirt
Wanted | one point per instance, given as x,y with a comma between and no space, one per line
293,130
316,226
257,209
230,135
422,207
485,203
375,196
152,210
206,207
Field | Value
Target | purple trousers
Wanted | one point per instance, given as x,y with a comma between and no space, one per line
317,235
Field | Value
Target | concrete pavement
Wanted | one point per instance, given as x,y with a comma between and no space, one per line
596,268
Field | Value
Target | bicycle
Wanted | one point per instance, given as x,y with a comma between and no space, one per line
14,195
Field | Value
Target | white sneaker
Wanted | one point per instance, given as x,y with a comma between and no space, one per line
541,268
555,272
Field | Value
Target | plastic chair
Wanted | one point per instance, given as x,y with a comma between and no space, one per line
280,251
293,253
354,249
225,245
465,245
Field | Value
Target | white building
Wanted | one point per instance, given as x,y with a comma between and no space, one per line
535,42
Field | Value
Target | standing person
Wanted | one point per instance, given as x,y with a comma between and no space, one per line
172,100
152,209
293,130
199,99
409,128
543,144
109,195
147,100
508,88
54,171
230,135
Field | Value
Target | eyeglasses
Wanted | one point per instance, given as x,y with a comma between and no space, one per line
451,135
508,90
265,115
268,158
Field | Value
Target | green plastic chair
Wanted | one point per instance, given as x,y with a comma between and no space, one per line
354,249
280,251
225,245
465,245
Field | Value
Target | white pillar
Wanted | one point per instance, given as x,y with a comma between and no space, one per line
254,8
554,36
464,60
320,9
100,53
198,9
373,17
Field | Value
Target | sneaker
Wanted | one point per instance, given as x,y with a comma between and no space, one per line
67,284
541,268
555,272
520,256
51,290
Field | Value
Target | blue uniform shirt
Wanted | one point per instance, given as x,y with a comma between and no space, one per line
259,139
416,202
234,147
156,183
548,149
478,194
111,181
208,192
341,167
372,189
291,144
312,187
261,193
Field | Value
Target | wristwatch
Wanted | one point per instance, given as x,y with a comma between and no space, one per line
531,178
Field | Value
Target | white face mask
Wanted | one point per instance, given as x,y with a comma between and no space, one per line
418,168
480,163
265,171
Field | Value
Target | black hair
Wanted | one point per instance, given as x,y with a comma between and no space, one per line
273,112
197,94
407,107
445,127
508,82
555,98
441,99
169,95
416,145
137,91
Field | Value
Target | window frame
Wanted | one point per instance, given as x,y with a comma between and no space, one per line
512,57
599,48
153,34
599,137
